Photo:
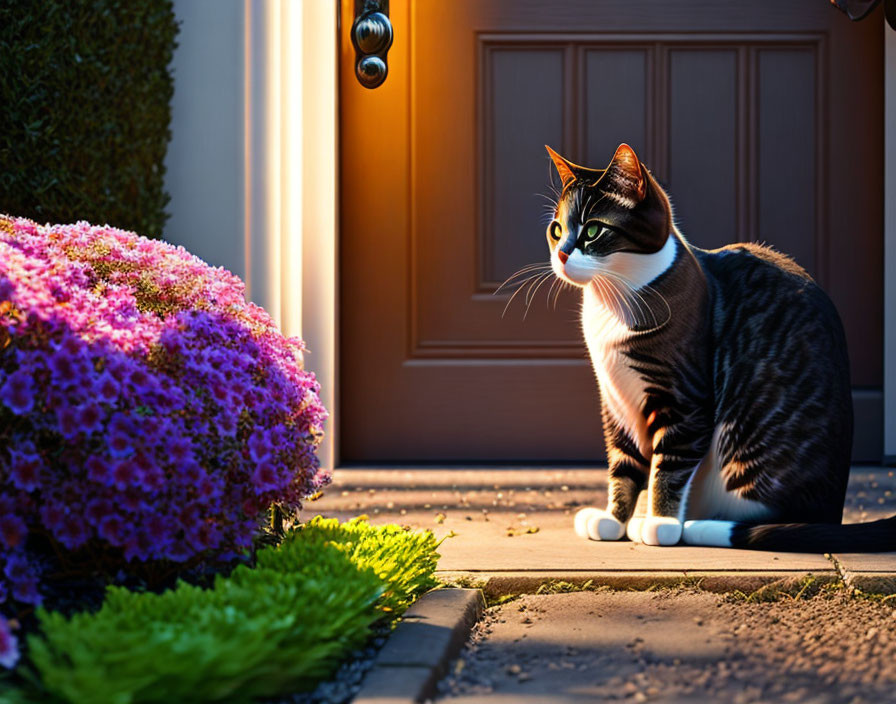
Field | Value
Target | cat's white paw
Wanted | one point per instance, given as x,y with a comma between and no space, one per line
660,530
633,530
596,524
581,520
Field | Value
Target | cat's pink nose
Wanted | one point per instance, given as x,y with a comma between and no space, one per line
562,256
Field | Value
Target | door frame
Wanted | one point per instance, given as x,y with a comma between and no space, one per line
290,139
889,449
312,245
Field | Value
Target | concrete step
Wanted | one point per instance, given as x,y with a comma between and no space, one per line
515,525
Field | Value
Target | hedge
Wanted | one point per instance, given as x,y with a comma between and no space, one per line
85,92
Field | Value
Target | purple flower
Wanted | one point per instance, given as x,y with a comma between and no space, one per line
25,470
16,567
137,547
158,529
180,451
53,514
259,447
68,421
107,388
120,439
63,369
265,478
73,532
17,394
126,473
99,470
9,645
90,417
6,291
179,551
12,531
98,509
23,579
25,590
111,528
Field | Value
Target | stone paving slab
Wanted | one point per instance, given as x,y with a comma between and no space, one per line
556,547
869,572
517,520
418,652
867,562
500,584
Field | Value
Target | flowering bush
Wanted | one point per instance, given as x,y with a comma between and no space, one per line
147,411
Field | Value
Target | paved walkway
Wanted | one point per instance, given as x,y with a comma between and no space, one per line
677,647
510,532
512,529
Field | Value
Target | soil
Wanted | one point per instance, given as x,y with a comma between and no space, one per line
679,646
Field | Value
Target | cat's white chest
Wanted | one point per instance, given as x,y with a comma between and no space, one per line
622,389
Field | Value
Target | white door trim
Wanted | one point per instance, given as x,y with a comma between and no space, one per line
291,93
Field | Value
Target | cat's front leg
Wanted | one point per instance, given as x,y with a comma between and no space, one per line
627,476
610,523
671,467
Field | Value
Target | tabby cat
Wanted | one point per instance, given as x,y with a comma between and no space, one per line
723,376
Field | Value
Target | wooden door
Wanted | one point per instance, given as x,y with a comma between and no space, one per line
763,119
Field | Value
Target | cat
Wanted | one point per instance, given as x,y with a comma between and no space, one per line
723,376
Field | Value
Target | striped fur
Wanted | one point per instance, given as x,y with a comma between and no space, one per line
724,376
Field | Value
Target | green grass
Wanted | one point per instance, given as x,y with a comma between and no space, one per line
270,630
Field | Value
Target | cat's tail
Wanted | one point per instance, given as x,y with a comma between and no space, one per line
877,536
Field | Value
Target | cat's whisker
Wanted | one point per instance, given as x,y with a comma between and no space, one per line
641,295
544,278
634,300
529,283
528,269
530,294
563,285
611,295
522,285
620,300
554,284
624,303
665,302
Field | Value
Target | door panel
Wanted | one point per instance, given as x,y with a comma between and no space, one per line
741,109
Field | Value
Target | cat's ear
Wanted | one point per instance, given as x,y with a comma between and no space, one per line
565,169
626,174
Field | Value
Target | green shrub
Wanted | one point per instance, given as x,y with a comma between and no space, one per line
271,630
402,560
85,96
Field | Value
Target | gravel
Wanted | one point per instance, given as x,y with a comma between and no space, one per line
345,683
680,646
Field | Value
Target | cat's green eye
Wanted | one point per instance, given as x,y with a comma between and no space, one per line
555,231
592,231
